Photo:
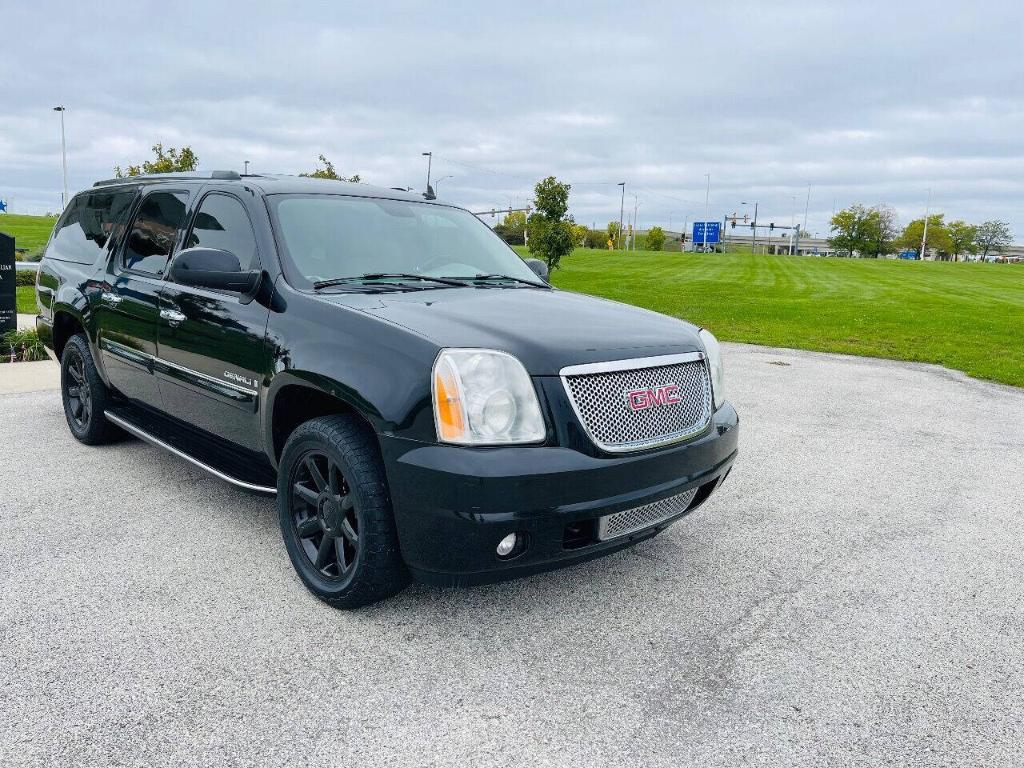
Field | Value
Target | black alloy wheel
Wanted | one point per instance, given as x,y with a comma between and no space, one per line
324,516
76,390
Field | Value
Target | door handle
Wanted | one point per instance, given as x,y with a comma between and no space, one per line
172,316
111,298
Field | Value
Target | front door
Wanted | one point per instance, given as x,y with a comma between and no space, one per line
128,305
212,343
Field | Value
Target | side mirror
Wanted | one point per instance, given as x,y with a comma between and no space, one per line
213,268
540,269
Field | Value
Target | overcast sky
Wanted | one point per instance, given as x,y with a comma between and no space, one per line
863,101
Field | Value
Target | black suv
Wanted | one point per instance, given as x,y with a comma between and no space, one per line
421,401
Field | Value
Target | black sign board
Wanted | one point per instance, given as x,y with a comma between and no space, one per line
8,286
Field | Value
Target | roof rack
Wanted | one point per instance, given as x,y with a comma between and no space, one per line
189,175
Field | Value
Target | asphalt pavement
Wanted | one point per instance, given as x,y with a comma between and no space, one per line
853,595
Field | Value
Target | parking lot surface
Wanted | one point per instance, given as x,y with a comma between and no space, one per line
851,596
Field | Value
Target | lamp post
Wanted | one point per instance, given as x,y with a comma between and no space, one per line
430,159
707,198
636,226
63,157
924,234
246,167
442,179
622,207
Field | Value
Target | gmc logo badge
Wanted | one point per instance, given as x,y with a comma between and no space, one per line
641,399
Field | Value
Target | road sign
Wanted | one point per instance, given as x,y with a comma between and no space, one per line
3,206
714,232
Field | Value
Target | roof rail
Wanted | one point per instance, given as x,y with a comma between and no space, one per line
187,175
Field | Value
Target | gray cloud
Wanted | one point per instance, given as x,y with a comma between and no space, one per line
866,102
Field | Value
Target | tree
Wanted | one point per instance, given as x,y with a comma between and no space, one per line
328,172
655,239
881,231
992,237
550,229
613,231
961,238
938,237
850,226
579,235
166,161
512,228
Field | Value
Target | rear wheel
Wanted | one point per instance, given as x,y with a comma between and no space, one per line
84,394
335,514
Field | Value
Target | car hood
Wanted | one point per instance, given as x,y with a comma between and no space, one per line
546,329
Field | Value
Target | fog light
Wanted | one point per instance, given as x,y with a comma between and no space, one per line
507,545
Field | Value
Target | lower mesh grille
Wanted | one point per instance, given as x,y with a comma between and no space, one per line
631,520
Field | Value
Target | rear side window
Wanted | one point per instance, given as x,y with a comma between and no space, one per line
92,219
223,223
154,231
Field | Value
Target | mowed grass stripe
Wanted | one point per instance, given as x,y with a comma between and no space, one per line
964,316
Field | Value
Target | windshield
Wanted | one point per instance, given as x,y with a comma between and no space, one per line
332,236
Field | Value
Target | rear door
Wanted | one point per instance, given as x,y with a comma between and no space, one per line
128,306
213,352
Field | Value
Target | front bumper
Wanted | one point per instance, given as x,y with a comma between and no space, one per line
454,504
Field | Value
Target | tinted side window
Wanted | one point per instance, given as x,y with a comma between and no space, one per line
88,224
223,223
154,231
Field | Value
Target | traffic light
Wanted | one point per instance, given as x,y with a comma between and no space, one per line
734,223
771,226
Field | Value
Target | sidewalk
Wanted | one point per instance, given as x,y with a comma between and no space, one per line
26,322
29,377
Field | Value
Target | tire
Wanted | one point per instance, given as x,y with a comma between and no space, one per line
85,395
335,513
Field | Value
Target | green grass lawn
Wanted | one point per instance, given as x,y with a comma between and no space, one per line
26,299
30,232
964,316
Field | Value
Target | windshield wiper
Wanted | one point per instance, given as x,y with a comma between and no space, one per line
485,278
370,277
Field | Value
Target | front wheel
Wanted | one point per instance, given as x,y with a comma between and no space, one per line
335,513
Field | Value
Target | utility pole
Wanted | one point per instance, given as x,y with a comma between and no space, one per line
246,167
792,224
924,235
63,157
803,229
707,198
622,205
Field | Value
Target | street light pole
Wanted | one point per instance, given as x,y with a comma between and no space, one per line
430,159
707,197
246,167
442,179
924,235
622,207
63,157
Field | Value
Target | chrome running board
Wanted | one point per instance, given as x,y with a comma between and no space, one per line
142,434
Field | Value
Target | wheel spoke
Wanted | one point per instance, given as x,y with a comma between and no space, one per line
347,503
333,478
339,548
74,374
308,495
309,527
73,391
323,554
315,474
349,532
76,409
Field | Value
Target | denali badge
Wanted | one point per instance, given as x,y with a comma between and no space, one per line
240,379
664,394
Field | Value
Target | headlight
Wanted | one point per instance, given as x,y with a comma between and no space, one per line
484,397
714,352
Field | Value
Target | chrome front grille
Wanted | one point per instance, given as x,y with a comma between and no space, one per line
638,518
630,405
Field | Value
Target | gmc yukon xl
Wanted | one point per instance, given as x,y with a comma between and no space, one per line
421,401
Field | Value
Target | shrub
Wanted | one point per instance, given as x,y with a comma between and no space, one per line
25,277
24,345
